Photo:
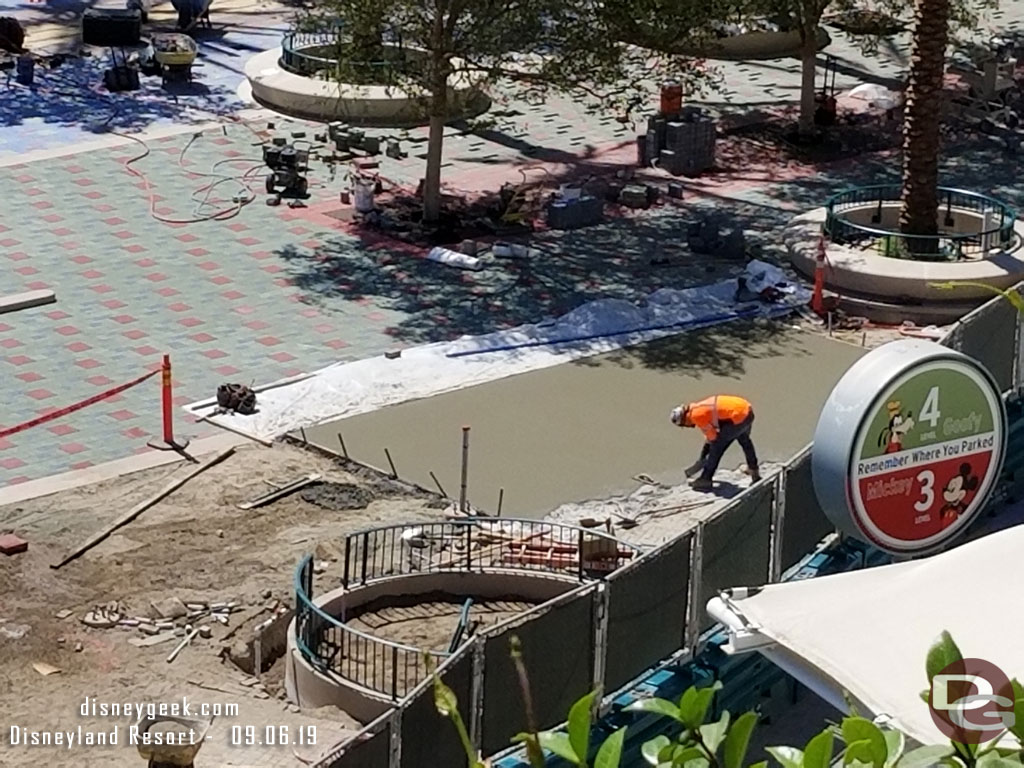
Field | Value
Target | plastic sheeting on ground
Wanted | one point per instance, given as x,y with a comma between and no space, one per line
349,389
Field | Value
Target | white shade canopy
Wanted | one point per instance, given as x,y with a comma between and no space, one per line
868,632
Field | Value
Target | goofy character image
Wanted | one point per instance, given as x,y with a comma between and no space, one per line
899,425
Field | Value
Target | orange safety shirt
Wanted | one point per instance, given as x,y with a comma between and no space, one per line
708,413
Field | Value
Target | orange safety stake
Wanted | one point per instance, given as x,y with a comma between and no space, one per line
169,443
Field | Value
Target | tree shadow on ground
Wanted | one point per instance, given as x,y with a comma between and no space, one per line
722,350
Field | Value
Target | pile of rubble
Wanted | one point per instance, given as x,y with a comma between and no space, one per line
169,618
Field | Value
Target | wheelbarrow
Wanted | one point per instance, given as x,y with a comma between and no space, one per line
185,734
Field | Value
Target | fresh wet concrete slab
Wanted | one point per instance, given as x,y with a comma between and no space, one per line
584,430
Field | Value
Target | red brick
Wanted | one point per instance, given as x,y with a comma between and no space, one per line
12,545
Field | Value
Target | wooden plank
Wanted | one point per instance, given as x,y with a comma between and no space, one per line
141,507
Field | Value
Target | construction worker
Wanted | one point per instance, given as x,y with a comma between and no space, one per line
723,419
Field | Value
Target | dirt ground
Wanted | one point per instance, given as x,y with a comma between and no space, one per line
195,545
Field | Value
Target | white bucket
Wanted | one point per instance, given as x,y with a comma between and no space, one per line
363,196
454,258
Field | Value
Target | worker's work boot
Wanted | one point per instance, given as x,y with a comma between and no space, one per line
694,468
755,474
702,484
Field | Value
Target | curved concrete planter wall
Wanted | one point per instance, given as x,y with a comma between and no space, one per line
866,273
312,688
757,45
371,105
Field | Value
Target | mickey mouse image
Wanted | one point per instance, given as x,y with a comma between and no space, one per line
899,425
955,493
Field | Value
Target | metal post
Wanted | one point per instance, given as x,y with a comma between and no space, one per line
694,610
365,548
579,554
778,527
1018,354
465,469
395,738
394,673
469,547
601,597
477,693
394,472
348,557
257,656
501,498
344,450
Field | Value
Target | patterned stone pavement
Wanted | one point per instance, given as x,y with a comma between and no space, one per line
271,292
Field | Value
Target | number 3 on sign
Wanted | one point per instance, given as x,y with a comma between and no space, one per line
927,480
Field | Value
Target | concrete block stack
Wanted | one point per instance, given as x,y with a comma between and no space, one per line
683,143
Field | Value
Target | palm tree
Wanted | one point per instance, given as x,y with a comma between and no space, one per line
923,112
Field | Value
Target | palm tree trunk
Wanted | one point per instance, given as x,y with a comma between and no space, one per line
923,111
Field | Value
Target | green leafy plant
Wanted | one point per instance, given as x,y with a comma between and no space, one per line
723,743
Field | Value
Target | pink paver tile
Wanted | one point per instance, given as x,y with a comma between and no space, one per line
244,310
188,237
63,232
18,480
42,205
202,338
78,346
114,221
101,288
39,394
272,268
81,259
92,274
190,322
37,285
75,169
249,241
100,381
179,306
88,363
9,343
261,255
4,327
237,227
256,325
282,357
336,344
29,376
26,271
124,234
145,263
122,415
209,266
83,182
57,314
134,248
113,304
11,463
232,295
17,256
324,327
146,350
124,319
9,242
19,360
375,317
62,429
81,465
167,291
214,354
50,218
134,433
72,448
310,312
134,334
220,280
156,277
226,370
197,252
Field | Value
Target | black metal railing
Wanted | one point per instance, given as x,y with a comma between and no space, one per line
474,545
314,54
394,669
995,230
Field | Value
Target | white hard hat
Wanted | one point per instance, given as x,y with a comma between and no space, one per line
677,415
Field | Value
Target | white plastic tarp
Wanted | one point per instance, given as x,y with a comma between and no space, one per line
868,632
349,389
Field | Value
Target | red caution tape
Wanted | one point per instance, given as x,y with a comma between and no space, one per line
77,406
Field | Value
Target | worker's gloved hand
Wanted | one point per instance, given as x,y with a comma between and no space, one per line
694,468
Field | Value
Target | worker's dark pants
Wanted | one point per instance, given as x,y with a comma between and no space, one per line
728,433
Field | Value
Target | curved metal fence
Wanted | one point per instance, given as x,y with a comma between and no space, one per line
331,644
314,53
996,229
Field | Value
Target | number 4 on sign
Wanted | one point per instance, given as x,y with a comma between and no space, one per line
930,409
